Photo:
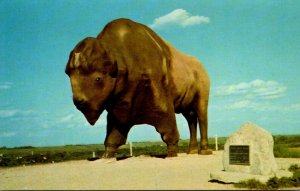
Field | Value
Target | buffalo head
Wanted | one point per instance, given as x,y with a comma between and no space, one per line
93,76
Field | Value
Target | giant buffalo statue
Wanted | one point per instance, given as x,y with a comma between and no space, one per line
139,78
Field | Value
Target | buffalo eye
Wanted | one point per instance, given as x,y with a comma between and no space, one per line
98,79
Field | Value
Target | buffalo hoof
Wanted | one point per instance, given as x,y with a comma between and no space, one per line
205,152
192,151
172,154
172,150
109,155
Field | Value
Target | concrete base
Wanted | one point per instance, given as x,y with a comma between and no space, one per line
235,177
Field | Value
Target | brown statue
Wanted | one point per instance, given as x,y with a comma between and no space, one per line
139,78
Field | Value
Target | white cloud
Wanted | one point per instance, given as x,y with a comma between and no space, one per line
8,113
74,120
5,85
256,88
66,119
7,134
13,112
239,104
256,95
256,106
179,17
292,107
70,121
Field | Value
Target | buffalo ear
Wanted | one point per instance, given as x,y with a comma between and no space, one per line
114,70
68,67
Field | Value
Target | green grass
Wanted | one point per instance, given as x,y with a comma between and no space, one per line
33,155
28,155
287,146
274,183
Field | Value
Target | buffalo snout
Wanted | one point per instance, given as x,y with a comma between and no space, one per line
90,114
81,104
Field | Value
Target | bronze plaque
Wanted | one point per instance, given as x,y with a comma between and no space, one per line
239,155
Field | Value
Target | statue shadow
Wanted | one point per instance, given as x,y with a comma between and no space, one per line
161,156
218,182
93,158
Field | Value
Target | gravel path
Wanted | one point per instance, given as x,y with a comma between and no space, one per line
143,172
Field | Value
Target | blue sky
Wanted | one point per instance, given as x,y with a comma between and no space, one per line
249,48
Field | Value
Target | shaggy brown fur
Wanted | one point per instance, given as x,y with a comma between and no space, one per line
139,79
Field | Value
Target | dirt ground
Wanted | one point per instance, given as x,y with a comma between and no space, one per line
143,172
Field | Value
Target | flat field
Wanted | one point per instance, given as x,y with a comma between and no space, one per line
286,146
66,167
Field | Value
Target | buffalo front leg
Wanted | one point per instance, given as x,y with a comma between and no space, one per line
191,118
202,117
115,137
169,133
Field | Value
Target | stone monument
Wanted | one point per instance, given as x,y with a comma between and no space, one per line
248,153
250,150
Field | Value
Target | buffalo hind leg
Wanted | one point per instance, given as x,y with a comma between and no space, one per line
191,118
169,133
115,137
202,117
